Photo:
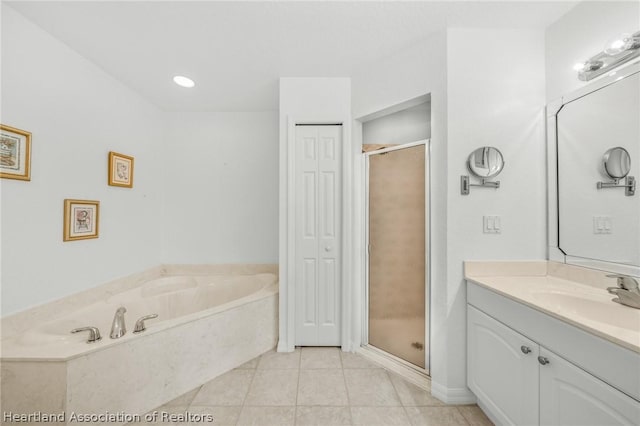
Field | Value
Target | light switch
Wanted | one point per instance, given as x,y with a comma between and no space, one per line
492,225
602,225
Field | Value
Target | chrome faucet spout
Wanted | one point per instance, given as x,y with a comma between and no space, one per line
118,328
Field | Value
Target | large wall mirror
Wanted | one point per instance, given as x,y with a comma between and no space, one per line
597,150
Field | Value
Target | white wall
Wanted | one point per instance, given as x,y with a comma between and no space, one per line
404,126
311,100
77,114
221,187
580,34
411,73
500,103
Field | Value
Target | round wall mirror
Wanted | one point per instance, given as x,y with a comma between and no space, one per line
617,162
486,162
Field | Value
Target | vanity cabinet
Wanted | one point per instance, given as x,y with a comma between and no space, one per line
571,396
502,369
519,382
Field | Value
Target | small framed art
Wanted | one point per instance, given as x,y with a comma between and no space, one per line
15,153
120,170
81,219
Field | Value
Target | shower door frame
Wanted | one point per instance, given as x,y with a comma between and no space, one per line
427,264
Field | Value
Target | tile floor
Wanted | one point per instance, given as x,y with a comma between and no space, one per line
319,386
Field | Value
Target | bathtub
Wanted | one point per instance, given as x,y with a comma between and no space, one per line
207,324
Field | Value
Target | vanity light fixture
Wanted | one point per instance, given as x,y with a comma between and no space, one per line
485,162
616,52
617,165
183,81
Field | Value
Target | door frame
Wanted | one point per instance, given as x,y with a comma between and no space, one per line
287,291
427,275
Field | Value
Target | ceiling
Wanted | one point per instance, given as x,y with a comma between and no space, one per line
236,51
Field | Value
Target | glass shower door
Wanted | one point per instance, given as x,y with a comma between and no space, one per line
397,253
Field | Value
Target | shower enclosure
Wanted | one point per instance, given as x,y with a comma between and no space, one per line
397,252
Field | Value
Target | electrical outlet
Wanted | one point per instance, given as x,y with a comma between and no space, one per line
492,225
602,225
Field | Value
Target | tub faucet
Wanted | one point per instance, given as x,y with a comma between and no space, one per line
627,291
94,333
118,329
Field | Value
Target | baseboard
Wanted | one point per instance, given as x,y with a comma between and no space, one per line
283,346
453,396
418,378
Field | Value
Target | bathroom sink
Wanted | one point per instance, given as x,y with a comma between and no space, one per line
591,307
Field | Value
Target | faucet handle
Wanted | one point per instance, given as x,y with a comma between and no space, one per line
94,333
625,282
140,327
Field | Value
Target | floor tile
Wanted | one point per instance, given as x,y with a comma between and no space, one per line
222,416
411,395
371,416
267,416
322,387
185,399
351,360
273,388
320,358
435,416
279,360
229,389
323,416
370,387
474,415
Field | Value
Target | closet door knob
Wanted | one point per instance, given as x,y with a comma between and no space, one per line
542,360
327,248
525,349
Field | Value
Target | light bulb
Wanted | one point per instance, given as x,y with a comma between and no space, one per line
579,66
183,81
618,44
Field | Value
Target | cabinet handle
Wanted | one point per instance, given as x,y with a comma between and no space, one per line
542,360
525,349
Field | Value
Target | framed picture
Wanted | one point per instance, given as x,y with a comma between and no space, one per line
15,153
81,219
120,170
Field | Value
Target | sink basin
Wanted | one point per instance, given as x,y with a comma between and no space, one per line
592,307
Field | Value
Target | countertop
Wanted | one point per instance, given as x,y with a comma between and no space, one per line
567,293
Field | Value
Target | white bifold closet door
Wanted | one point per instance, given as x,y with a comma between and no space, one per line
318,224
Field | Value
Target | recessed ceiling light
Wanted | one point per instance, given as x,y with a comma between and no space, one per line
183,81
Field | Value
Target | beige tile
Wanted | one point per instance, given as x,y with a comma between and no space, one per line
279,360
184,399
267,416
250,364
370,387
229,389
351,360
273,388
222,416
323,416
371,416
322,387
320,358
435,416
474,415
411,395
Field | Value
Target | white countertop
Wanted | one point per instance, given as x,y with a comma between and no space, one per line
582,304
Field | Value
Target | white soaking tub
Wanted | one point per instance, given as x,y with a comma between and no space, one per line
206,325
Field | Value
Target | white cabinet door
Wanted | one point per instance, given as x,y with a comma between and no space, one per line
502,370
318,218
569,396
